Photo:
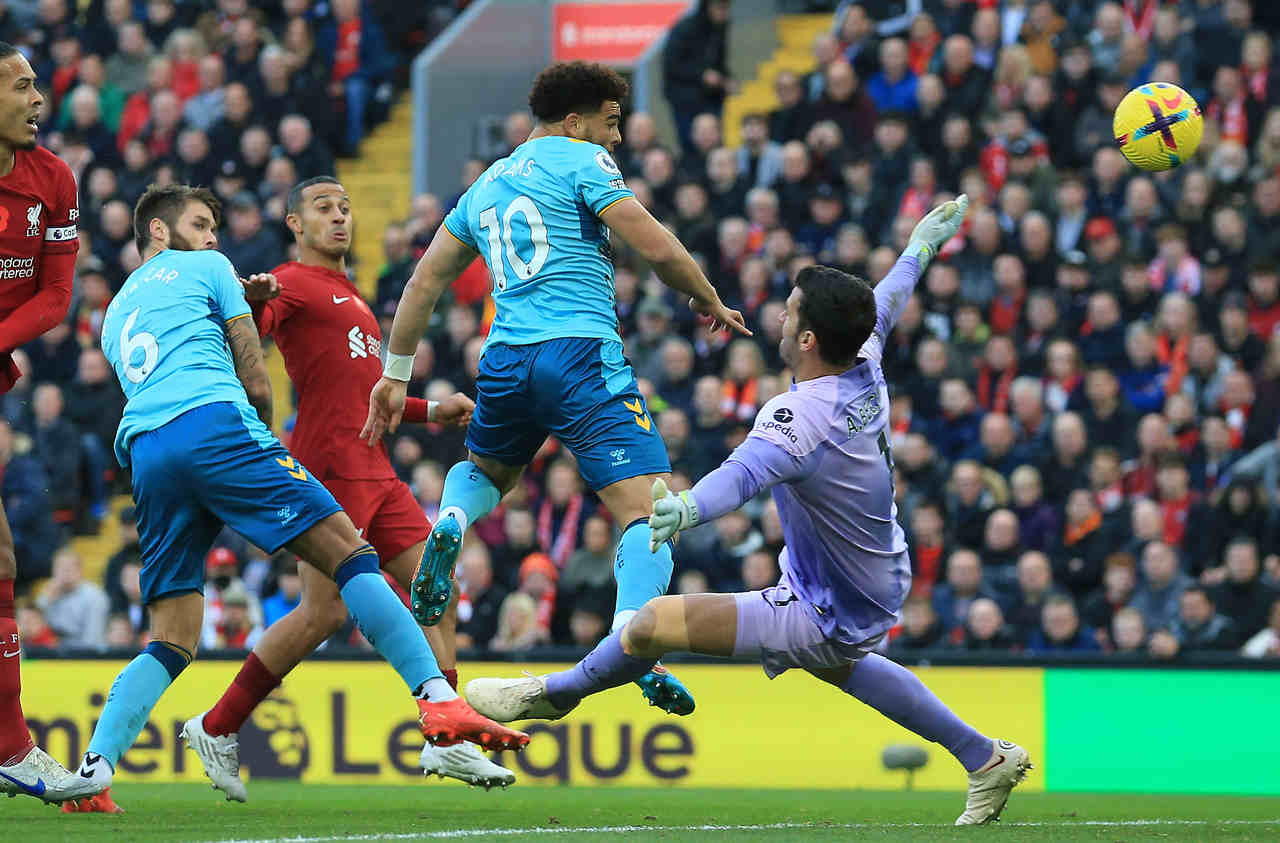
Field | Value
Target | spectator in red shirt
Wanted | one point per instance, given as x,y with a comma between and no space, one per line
1264,300
360,55
1173,491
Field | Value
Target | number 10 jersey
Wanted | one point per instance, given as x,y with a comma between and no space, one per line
535,217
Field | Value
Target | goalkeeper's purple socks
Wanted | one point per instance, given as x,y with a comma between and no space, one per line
898,694
605,667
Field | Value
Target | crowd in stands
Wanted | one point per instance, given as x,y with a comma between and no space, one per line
1085,389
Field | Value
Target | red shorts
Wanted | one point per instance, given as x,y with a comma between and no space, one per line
385,513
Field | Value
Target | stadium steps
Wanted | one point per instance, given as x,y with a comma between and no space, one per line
94,551
794,52
380,188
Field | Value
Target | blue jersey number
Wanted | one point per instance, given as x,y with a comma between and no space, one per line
500,240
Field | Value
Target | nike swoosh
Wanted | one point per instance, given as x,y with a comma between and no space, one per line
36,789
9,655
337,300
993,766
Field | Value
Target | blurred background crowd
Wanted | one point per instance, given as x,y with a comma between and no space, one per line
1085,388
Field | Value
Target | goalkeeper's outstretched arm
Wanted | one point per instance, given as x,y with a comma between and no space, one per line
928,237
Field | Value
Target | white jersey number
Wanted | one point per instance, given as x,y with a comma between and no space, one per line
129,344
500,240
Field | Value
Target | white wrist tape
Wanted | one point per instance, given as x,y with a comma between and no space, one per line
398,367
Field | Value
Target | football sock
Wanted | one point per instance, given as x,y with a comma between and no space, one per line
451,676
15,740
468,494
251,686
898,694
607,666
388,626
133,695
641,575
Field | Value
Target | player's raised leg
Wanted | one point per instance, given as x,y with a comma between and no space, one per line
463,760
333,546
472,488
643,574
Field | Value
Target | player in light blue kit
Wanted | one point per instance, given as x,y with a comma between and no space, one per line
822,449
196,430
553,360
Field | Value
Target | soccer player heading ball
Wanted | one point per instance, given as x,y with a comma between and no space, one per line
553,362
823,450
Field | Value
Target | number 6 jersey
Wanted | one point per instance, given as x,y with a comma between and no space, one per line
164,334
534,216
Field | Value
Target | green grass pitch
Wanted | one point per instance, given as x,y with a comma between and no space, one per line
442,811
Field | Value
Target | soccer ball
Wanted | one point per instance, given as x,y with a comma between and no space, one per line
1158,126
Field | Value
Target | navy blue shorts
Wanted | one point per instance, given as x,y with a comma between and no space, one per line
217,464
583,392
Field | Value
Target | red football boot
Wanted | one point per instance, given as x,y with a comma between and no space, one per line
99,804
448,722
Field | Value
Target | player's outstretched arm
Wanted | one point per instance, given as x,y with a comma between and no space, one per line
671,260
927,239
443,262
754,466
246,350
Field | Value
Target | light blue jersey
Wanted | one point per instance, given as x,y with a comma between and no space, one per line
164,334
534,215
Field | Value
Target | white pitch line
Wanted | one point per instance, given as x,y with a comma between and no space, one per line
459,833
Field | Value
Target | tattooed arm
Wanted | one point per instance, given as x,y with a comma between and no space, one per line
246,351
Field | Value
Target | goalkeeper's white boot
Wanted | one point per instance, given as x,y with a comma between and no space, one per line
504,700
220,757
38,775
991,784
465,762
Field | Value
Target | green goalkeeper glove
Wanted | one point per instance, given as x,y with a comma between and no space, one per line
671,514
937,227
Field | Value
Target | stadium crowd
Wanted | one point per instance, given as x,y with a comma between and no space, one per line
1085,390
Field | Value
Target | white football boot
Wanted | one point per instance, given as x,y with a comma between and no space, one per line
504,700
991,784
220,755
93,777
40,776
465,762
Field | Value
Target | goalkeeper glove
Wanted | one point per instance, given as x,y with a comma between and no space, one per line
671,514
937,227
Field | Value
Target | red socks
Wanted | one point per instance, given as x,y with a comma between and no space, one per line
15,740
251,686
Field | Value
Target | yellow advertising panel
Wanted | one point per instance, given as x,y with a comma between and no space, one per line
354,722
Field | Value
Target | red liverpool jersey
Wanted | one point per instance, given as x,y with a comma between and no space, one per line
332,350
38,244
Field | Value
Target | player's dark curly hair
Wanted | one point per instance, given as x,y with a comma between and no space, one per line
167,204
575,86
839,308
7,50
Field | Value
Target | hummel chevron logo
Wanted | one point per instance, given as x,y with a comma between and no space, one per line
337,300
90,760
36,789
